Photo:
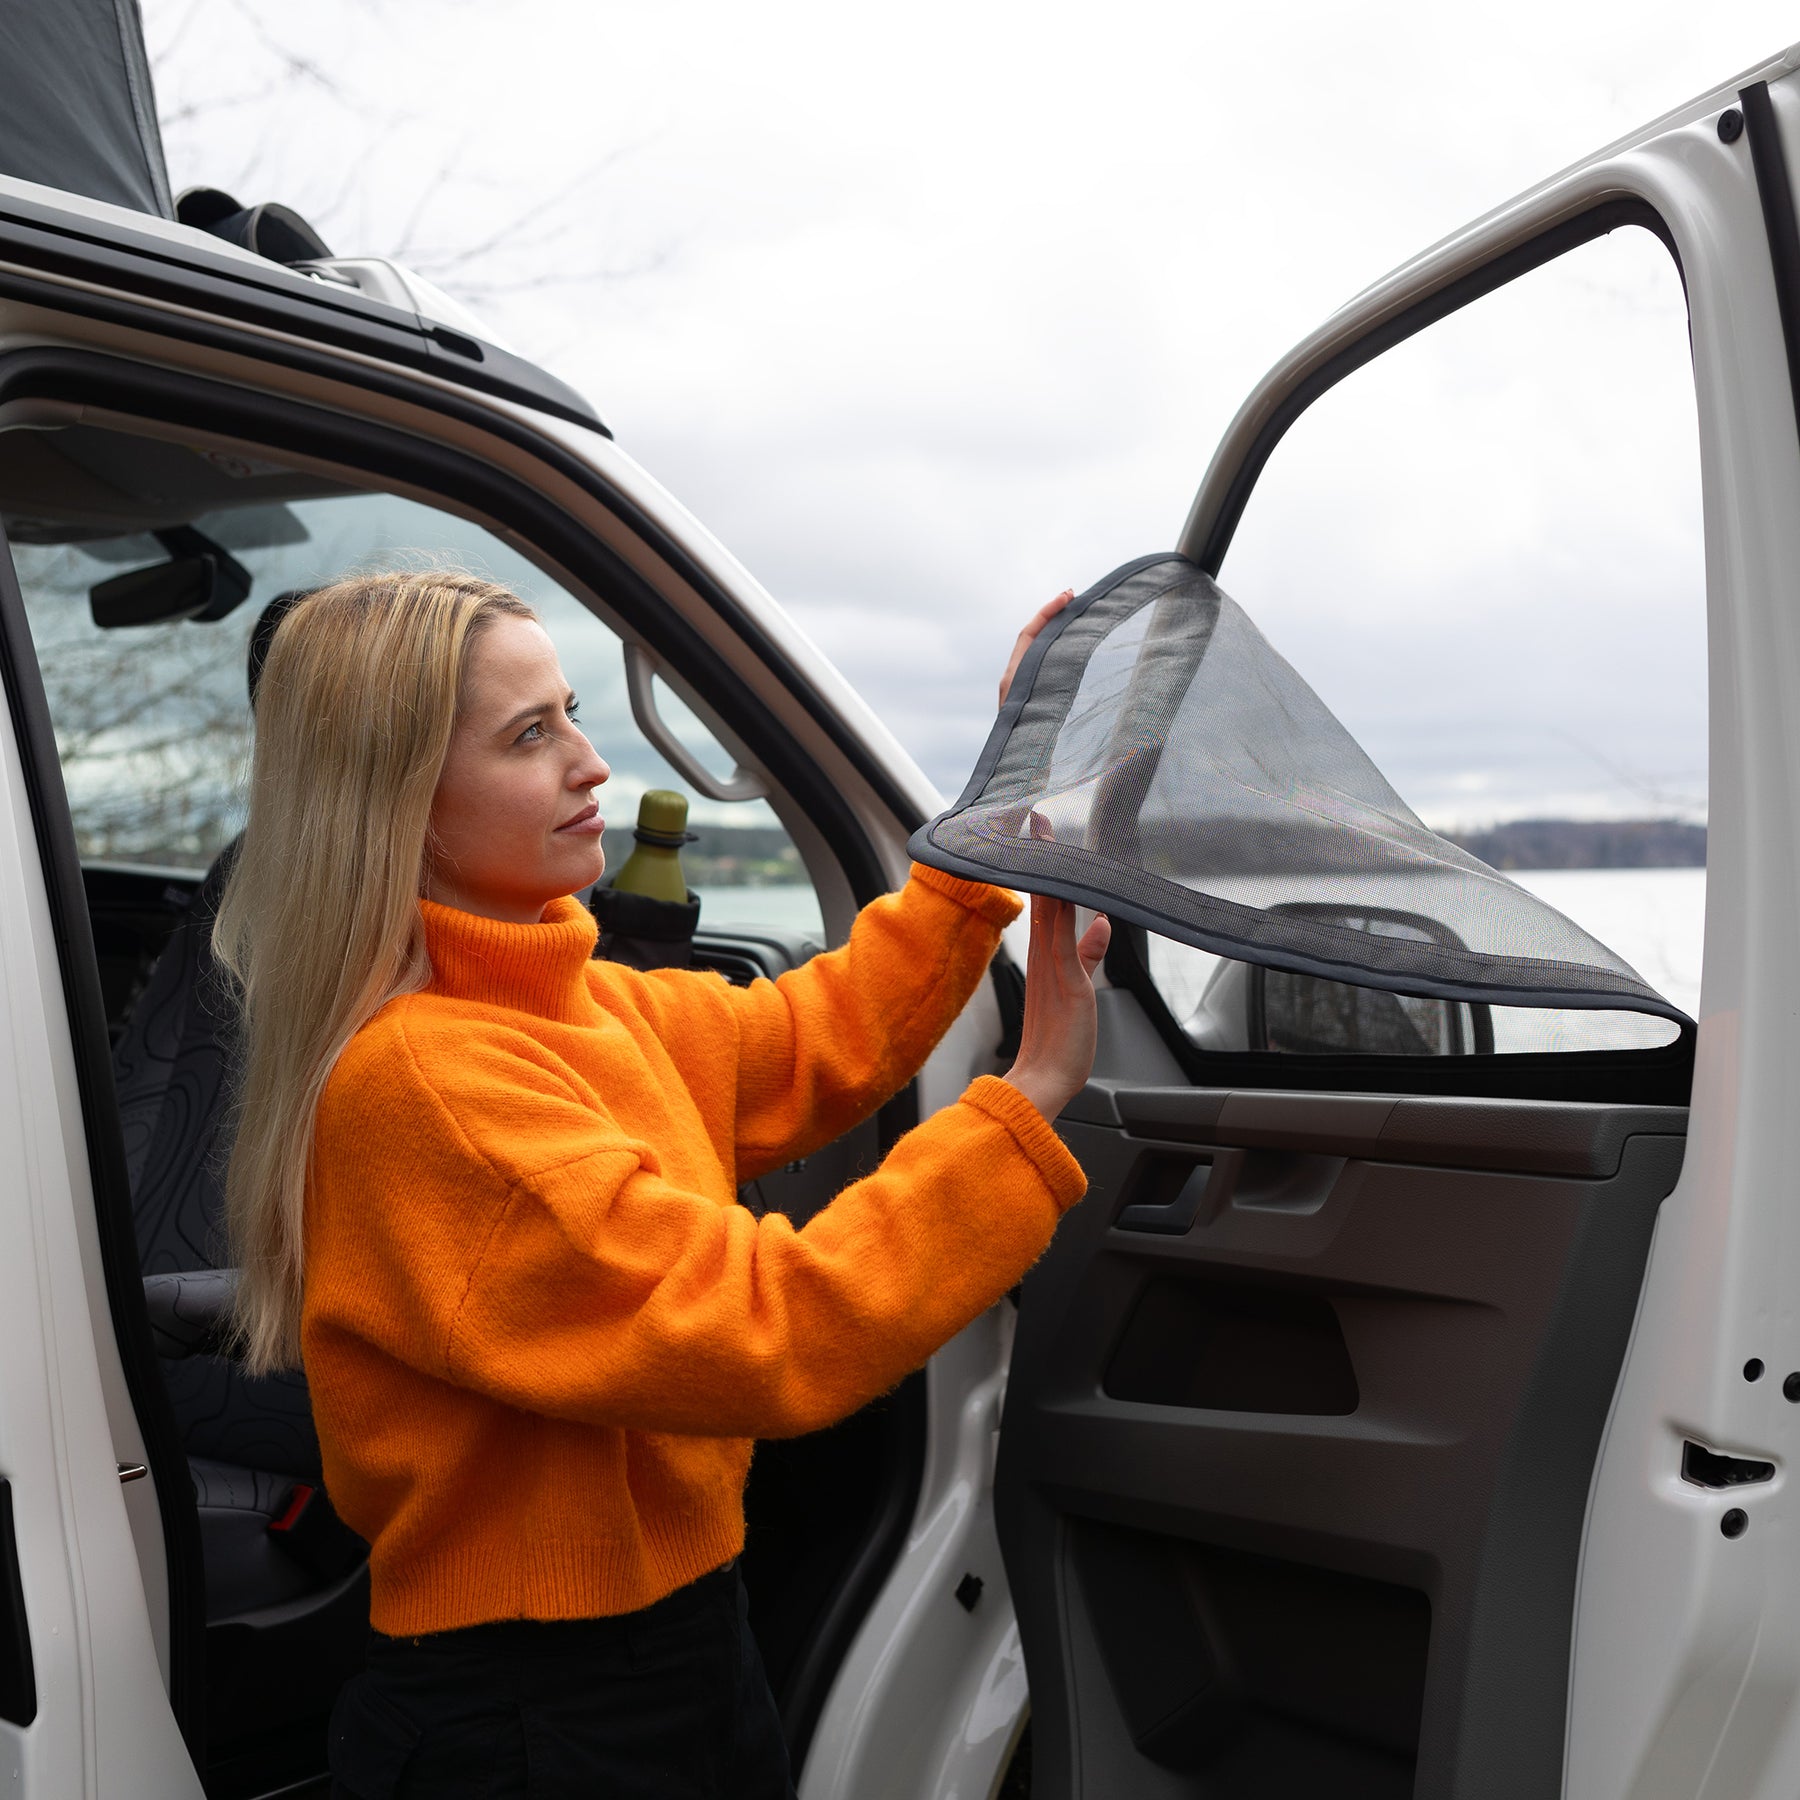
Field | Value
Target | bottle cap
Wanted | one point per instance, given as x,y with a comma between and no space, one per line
664,812
662,820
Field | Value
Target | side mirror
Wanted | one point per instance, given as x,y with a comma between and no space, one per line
201,580
1307,1014
1310,1014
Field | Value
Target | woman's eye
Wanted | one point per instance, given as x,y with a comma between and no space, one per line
530,734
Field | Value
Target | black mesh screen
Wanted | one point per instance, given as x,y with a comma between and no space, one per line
1158,760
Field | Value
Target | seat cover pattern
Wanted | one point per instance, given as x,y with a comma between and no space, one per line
171,1071
1157,759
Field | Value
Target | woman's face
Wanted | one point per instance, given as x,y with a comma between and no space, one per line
514,824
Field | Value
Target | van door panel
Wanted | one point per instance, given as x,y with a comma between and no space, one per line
1292,1498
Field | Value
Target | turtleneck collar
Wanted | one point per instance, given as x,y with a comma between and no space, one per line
531,968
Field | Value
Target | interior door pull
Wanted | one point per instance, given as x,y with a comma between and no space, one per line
1173,1217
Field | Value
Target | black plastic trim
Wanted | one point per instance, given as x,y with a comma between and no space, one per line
272,297
67,899
18,1674
1768,158
1609,215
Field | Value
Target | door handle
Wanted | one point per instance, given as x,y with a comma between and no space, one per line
1170,1218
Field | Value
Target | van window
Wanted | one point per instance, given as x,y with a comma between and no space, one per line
1483,550
153,724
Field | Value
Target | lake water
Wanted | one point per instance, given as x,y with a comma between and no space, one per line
1653,918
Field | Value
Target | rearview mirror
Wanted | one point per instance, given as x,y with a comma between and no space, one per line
202,581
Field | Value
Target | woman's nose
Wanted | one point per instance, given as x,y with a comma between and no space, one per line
590,769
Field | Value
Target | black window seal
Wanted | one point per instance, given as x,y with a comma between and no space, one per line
1768,162
200,404
52,243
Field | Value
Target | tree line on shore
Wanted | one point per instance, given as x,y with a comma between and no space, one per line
1587,844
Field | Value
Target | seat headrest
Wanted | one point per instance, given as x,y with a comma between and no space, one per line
264,634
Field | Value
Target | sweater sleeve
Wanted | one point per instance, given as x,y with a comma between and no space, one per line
823,1046
605,1294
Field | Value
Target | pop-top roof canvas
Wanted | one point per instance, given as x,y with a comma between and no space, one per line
79,112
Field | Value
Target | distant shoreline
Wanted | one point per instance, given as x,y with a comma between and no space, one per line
1587,844
764,856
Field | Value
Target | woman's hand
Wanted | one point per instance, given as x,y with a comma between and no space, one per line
1056,1044
1028,637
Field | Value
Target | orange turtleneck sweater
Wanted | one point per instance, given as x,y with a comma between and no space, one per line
539,1331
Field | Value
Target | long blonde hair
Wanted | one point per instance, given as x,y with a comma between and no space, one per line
319,923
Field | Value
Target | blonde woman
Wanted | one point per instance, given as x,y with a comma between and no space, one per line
483,1186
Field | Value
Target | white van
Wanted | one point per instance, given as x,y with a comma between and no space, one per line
1438,1448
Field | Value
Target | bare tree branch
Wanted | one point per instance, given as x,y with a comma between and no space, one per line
296,126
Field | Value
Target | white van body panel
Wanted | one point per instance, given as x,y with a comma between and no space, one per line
103,1724
1686,1667
1687,1643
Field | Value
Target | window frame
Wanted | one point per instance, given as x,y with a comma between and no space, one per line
1662,1075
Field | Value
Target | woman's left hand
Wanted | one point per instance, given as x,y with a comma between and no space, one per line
1028,637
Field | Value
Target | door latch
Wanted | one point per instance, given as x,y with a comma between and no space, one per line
1711,1469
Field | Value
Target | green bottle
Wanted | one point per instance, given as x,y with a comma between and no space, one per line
654,866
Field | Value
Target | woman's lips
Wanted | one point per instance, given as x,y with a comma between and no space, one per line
586,823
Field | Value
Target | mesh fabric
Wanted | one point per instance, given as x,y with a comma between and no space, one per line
1158,760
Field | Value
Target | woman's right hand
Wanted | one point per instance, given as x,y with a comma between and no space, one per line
1028,637
1056,1044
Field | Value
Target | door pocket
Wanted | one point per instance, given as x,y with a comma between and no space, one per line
1231,1347
1262,1676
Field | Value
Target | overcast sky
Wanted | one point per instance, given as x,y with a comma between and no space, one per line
929,311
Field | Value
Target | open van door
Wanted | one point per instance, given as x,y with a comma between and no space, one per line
1404,1412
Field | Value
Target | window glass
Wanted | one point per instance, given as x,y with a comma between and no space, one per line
1483,550
153,723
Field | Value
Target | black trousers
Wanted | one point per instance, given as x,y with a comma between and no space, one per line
669,1703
